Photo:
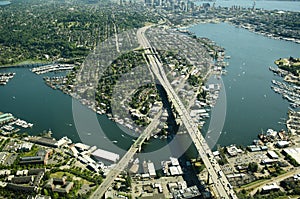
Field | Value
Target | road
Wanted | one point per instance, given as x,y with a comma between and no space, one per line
257,186
224,190
122,164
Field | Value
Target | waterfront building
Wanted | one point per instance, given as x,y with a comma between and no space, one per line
101,154
293,152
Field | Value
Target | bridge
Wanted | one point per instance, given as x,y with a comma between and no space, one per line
123,163
224,189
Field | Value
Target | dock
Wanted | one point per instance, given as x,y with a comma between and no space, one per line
51,68
6,77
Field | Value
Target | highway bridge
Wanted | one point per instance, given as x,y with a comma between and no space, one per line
220,182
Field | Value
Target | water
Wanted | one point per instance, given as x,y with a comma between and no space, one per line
4,3
29,98
251,104
267,5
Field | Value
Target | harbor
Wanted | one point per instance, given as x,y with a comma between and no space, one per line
6,77
289,92
9,124
55,82
51,68
41,103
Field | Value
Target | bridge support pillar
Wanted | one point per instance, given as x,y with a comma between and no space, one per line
208,175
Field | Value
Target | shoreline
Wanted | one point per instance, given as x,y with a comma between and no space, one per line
24,64
243,26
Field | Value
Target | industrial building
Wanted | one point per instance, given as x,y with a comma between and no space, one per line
269,188
272,155
101,154
293,152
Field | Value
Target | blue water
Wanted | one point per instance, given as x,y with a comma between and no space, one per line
267,5
251,104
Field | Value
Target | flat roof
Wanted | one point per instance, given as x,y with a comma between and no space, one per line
151,169
270,187
107,155
82,146
294,153
175,170
174,161
273,154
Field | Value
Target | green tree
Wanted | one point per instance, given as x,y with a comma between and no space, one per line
252,166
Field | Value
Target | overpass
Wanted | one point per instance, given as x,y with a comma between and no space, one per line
224,190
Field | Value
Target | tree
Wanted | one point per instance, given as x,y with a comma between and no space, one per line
252,166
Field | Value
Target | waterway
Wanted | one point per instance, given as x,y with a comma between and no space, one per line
251,104
27,97
261,4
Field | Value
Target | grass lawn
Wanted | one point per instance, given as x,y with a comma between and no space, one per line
32,152
60,174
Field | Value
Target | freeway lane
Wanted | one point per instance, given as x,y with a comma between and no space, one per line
220,181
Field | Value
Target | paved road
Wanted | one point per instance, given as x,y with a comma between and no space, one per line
257,186
122,164
219,180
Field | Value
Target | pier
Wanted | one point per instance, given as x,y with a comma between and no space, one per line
51,68
5,77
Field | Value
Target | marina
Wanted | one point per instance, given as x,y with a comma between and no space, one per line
291,93
293,122
278,71
51,68
55,82
6,77
9,124
42,103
